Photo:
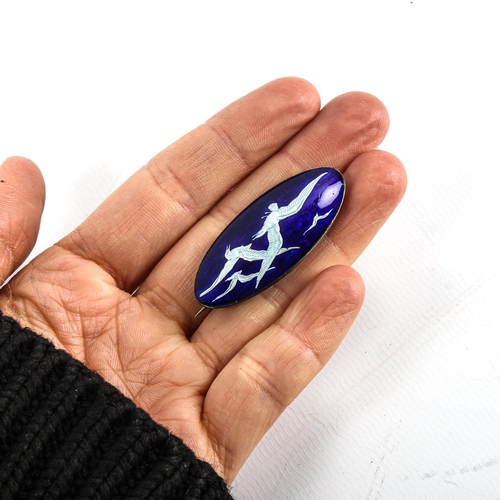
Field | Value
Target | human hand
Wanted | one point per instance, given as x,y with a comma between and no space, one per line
117,293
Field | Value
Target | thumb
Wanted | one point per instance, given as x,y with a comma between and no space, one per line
22,196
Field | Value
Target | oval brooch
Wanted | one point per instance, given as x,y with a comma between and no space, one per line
269,237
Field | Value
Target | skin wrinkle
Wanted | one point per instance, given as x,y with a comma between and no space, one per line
332,320
20,299
160,298
18,194
209,358
123,386
174,308
221,215
257,311
373,116
96,344
373,222
121,310
161,374
227,350
277,295
226,138
190,204
226,454
186,403
329,240
391,191
16,241
82,261
299,339
366,137
155,374
142,217
6,251
218,452
297,166
258,373
101,262
119,353
300,347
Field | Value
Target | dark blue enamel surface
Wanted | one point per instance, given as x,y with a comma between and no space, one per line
269,237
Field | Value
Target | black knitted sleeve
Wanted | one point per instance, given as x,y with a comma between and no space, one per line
67,434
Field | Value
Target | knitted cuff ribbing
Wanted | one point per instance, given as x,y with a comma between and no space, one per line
65,433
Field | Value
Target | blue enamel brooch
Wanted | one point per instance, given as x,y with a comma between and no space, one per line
270,237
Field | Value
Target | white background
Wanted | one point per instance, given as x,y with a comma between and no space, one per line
409,407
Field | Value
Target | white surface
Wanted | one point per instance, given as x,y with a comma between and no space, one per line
409,407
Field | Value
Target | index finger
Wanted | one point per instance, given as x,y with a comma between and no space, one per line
132,230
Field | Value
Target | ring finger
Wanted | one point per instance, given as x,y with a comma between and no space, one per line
376,182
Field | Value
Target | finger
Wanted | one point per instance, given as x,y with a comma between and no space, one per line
269,373
129,233
375,184
346,127
22,196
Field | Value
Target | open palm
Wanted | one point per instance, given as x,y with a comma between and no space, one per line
117,293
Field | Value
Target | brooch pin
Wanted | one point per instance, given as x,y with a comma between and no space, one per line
269,238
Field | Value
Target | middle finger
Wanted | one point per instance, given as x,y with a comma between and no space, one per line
348,126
